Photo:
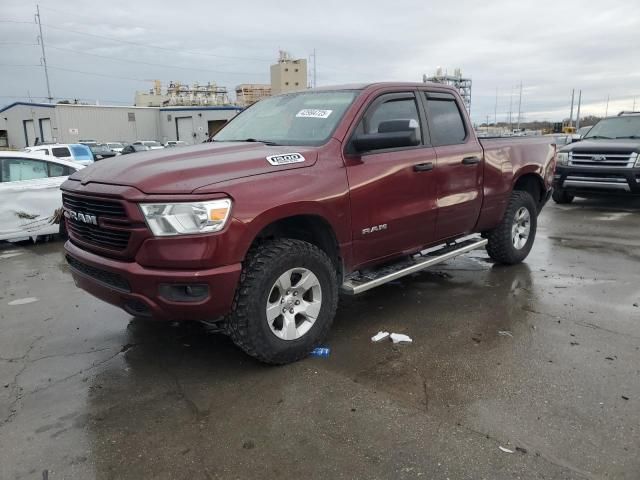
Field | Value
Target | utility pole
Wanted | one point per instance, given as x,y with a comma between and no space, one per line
606,111
44,55
510,111
315,78
578,114
573,93
495,110
519,104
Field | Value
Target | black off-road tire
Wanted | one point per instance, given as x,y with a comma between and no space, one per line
500,246
247,323
561,197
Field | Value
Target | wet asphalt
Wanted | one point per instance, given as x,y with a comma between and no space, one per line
542,359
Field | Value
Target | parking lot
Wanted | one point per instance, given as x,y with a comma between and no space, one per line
541,359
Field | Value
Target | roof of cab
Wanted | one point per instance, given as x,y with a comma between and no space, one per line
375,85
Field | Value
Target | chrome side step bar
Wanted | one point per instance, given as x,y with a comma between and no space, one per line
361,282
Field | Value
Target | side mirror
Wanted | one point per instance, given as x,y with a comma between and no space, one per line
390,134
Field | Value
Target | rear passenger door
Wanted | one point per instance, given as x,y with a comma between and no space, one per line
460,165
392,190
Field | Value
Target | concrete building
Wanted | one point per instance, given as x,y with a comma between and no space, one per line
69,123
288,75
249,93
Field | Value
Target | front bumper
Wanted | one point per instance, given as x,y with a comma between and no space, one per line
600,180
137,289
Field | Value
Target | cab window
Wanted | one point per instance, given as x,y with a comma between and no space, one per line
391,108
445,120
60,152
17,169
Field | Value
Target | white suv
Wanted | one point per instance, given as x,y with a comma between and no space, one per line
74,152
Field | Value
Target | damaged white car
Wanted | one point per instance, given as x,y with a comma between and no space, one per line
30,197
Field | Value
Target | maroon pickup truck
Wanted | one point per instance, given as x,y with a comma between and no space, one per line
300,197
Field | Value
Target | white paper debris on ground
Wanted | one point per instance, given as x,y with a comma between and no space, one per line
505,450
505,333
23,301
9,254
400,338
379,336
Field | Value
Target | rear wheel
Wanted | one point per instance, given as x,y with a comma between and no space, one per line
562,197
286,301
511,241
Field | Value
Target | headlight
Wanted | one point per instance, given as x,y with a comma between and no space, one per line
563,158
166,219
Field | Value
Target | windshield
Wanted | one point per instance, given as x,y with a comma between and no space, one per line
81,152
616,127
304,118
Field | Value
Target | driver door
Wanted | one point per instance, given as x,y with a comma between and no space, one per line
393,195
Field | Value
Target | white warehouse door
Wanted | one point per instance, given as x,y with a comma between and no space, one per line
45,130
29,133
184,127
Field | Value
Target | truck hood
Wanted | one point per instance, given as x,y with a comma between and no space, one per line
185,169
604,145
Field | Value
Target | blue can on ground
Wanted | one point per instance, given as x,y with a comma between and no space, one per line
320,352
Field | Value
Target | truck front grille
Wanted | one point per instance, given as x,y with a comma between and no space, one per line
599,160
91,206
100,223
113,239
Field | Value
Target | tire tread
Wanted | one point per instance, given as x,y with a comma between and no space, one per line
500,246
259,260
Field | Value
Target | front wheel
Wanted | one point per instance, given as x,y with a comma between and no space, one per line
285,302
511,241
562,197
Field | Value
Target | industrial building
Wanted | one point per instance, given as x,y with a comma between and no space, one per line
181,94
70,123
249,93
288,74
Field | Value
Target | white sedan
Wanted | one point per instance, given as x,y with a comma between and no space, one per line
30,196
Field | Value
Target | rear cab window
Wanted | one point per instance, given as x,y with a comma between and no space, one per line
446,123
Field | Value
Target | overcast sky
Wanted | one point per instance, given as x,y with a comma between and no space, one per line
551,47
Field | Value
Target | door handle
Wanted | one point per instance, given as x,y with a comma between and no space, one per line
423,167
470,161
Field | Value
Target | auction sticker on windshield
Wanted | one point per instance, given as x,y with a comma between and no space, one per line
313,113
285,159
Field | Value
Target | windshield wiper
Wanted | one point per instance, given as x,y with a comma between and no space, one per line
629,136
598,136
266,142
